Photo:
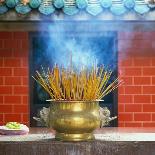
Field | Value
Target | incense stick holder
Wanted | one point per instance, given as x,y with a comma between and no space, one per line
74,120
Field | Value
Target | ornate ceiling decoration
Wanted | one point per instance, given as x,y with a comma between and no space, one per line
72,7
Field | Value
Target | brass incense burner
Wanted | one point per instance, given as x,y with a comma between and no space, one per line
74,120
74,110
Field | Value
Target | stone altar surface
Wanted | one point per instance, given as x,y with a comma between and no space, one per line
109,141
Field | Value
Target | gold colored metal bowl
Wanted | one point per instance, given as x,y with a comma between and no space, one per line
74,120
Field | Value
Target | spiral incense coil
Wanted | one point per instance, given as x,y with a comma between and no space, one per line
46,7
94,7
118,7
141,6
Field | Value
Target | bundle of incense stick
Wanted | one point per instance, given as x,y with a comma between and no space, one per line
84,85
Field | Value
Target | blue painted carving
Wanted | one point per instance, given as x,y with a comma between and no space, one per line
22,9
3,9
81,4
46,7
141,7
151,6
106,3
129,3
11,3
118,7
35,3
94,7
70,7
58,3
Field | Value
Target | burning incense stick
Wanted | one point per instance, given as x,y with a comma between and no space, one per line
68,84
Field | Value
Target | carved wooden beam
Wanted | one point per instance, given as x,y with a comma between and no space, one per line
100,25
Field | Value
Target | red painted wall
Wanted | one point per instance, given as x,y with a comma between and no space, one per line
14,104
136,99
137,67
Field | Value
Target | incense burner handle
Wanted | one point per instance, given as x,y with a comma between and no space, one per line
43,116
105,118
104,114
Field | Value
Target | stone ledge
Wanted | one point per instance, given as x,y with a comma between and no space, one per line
116,146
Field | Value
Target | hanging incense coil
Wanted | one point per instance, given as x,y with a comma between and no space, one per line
11,3
35,3
141,6
118,7
94,7
70,7
46,7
